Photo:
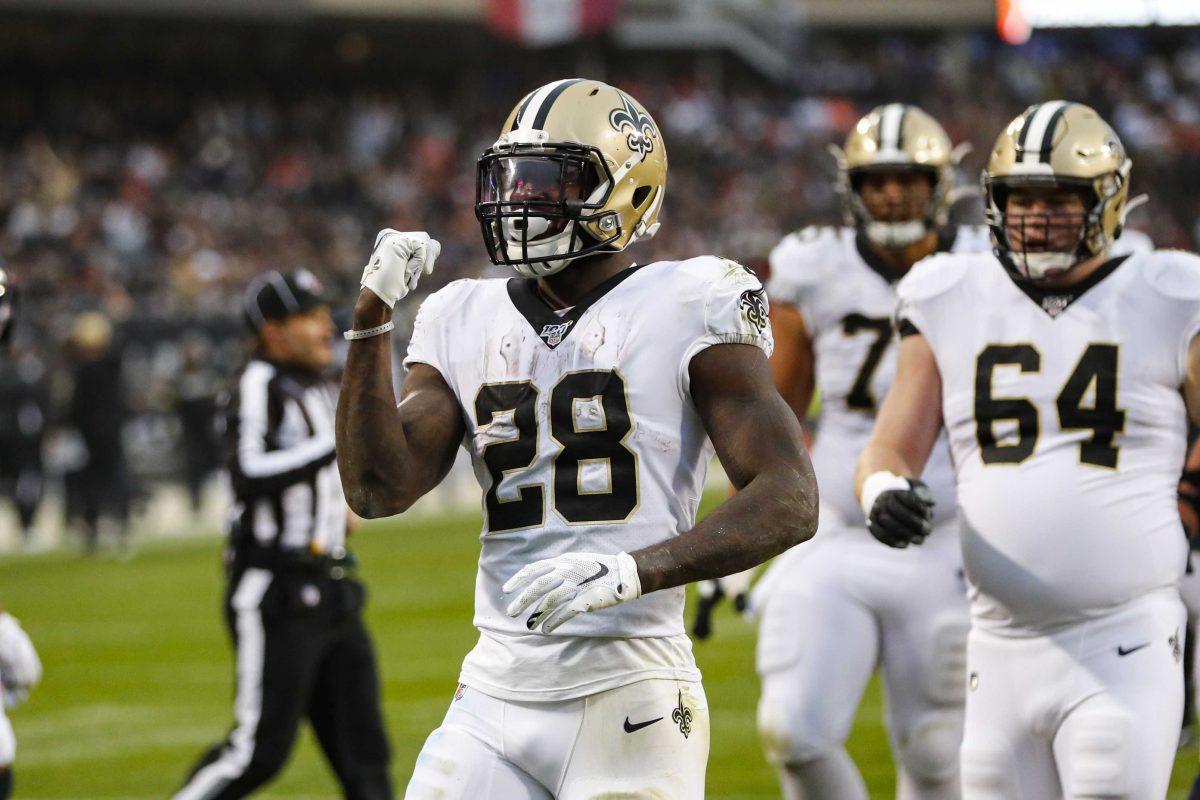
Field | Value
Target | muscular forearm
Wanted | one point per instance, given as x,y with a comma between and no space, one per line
371,446
774,511
878,457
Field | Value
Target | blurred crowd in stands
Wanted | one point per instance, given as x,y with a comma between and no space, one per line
133,214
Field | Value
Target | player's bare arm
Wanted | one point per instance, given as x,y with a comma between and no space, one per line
389,455
792,362
760,444
898,506
792,367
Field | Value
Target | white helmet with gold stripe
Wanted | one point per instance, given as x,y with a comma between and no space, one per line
1056,145
580,168
897,138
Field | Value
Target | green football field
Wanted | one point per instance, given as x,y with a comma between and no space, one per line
139,679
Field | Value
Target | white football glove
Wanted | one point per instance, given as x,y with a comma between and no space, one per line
20,667
570,584
397,263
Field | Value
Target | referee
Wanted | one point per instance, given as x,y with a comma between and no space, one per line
292,604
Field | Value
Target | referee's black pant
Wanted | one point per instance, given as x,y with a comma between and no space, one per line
302,652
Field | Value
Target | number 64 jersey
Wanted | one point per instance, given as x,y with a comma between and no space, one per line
1067,428
583,435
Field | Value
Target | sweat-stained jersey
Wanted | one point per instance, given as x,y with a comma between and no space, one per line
584,437
1067,427
847,299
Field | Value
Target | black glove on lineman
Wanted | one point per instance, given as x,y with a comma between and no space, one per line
900,517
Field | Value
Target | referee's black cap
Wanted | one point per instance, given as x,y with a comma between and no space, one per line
278,295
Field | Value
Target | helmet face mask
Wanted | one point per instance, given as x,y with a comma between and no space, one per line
1056,185
1043,226
579,169
893,203
533,199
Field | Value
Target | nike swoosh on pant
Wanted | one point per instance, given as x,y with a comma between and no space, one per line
637,726
1121,651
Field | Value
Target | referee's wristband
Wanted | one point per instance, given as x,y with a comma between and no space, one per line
369,332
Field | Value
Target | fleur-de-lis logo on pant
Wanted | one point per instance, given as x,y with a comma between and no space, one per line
682,716
637,126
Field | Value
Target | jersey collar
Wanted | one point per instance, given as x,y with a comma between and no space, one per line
1055,301
551,328
945,243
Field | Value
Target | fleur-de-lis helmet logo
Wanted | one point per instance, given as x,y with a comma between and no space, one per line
639,130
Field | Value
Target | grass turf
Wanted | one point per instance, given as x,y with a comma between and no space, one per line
139,678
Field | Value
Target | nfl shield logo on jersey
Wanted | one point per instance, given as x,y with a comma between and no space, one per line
553,333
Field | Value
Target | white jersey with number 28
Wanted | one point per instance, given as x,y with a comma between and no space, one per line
583,434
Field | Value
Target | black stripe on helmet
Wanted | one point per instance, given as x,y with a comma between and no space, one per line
544,111
1048,135
521,111
1024,134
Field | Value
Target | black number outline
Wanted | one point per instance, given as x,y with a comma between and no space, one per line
1014,408
860,397
492,500
1101,448
497,398
612,473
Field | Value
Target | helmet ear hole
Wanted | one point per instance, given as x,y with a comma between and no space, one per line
639,196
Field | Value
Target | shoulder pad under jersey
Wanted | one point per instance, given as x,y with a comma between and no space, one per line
936,275
802,260
1173,273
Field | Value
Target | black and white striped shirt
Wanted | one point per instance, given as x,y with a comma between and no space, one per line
280,434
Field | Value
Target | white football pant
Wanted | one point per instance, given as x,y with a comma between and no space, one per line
1092,711
644,740
836,608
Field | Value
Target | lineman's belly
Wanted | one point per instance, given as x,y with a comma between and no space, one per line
1042,550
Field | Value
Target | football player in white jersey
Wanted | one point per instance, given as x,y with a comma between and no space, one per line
843,604
1064,378
590,394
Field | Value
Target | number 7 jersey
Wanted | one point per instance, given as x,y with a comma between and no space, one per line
584,437
1067,428
847,298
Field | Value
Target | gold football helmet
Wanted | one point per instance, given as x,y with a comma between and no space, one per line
579,168
1058,144
890,138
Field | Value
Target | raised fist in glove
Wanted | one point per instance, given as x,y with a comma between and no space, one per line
899,510
559,588
397,263
20,667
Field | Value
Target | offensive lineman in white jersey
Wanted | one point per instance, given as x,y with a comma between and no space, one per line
586,393
836,608
1057,371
